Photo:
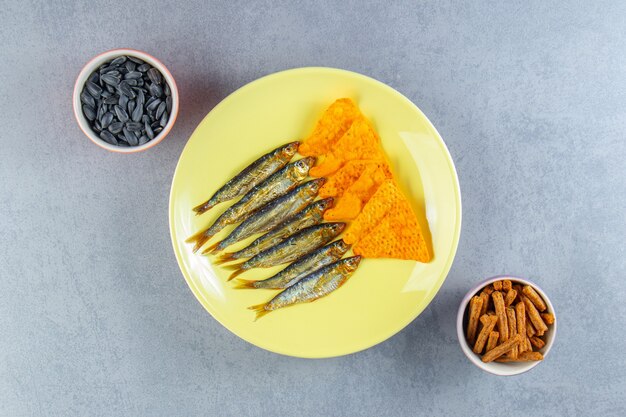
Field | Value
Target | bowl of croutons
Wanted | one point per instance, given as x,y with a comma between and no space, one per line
506,325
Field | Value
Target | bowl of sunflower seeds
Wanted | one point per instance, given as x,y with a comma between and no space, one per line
125,100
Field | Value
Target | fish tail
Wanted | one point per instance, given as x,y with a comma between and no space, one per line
234,266
237,268
244,284
223,260
199,239
204,207
236,273
210,248
260,310
226,257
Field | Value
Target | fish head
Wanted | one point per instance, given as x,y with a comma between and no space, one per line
325,204
352,263
333,229
312,187
339,248
301,167
290,149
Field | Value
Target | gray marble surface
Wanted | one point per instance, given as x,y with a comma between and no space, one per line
95,317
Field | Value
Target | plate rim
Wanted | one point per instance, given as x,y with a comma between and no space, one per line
457,194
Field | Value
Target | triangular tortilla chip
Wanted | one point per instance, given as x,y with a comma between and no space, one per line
374,211
360,142
335,121
339,182
350,204
397,236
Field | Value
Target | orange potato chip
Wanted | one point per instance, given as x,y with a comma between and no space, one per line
373,212
335,121
339,182
360,142
349,205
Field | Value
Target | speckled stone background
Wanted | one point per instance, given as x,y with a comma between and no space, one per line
95,317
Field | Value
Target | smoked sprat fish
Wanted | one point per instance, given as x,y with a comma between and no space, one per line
312,287
252,175
310,216
276,185
301,268
291,249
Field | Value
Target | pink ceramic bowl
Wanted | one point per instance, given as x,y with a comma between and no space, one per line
91,66
496,368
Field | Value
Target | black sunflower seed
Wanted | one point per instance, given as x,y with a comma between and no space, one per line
143,67
116,127
131,106
110,88
94,89
114,73
141,97
158,130
150,101
164,118
143,140
110,79
107,118
168,102
160,110
87,98
155,90
135,60
123,101
108,68
130,65
132,83
113,99
89,112
130,137
125,89
100,112
155,75
137,113
133,75
94,77
153,105
121,114
134,126
97,126
148,130
108,137
167,90
119,60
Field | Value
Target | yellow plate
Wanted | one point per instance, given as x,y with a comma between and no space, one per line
384,295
